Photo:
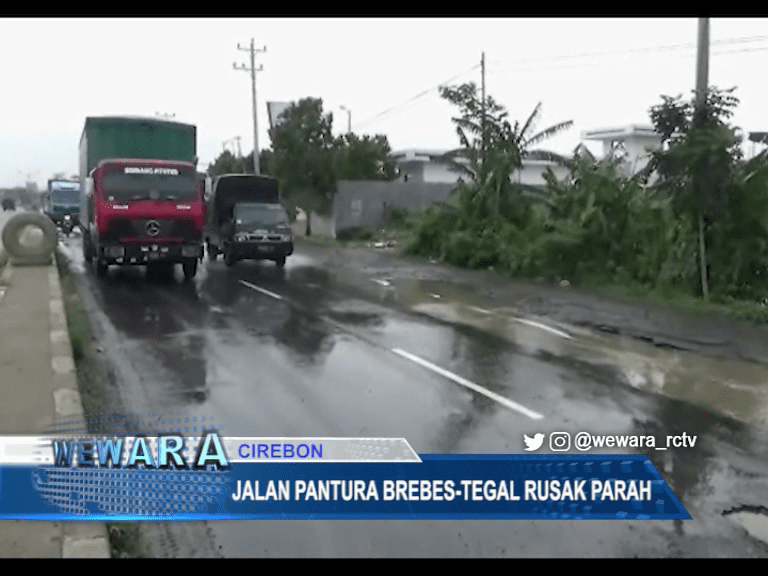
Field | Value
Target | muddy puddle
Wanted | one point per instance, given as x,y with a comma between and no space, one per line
729,387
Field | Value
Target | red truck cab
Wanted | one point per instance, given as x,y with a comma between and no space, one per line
143,212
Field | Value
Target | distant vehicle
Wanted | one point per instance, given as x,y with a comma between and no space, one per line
62,199
142,200
67,224
8,204
246,220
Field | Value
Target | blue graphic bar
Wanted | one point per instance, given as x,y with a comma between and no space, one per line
439,486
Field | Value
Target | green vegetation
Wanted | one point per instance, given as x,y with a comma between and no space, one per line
89,381
308,160
600,227
124,538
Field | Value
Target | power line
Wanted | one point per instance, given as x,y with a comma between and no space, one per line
669,47
509,70
419,95
406,105
760,49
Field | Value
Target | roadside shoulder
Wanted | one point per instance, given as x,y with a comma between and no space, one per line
663,325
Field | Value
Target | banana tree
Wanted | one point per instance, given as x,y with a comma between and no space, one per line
492,149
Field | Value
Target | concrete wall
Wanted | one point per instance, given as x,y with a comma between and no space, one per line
530,173
319,225
368,204
533,170
322,225
440,173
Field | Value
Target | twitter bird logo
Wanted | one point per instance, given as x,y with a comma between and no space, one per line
534,443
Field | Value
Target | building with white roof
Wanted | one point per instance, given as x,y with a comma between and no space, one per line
633,144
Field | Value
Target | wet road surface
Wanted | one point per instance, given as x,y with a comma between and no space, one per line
312,351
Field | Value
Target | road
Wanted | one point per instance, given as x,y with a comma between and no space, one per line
318,349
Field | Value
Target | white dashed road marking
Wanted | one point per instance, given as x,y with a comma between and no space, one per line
471,385
543,327
258,289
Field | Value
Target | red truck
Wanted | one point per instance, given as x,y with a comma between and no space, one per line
142,199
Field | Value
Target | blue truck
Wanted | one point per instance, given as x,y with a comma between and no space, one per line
62,203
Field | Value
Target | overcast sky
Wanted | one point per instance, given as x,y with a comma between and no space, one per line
597,72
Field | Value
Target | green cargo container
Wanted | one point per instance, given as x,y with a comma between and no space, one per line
134,137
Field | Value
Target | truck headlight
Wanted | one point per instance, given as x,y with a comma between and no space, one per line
241,237
116,251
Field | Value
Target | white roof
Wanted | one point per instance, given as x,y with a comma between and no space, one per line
414,152
618,132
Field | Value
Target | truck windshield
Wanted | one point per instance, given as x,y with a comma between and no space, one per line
248,215
65,197
122,187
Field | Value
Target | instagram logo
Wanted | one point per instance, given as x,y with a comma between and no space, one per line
559,441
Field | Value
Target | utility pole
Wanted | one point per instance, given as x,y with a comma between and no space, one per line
702,75
482,69
253,70
349,118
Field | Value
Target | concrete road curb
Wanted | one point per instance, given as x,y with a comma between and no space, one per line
80,540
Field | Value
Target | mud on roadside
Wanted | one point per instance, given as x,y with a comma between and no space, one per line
663,326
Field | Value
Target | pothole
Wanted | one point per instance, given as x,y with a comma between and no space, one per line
754,519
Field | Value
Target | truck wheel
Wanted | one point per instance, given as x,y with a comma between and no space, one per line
213,253
87,249
101,268
280,262
229,258
190,268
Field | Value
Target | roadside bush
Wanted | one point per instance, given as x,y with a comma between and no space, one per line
355,234
599,226
399,218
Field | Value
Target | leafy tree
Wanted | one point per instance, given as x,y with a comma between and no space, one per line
493,148
489,223
309,161
366,158
303,154
697,162
228,163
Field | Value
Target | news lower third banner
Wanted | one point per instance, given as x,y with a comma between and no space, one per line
173,478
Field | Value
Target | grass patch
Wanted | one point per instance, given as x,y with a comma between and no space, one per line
755,312
317,240
391,237
124,538
89,381
356,235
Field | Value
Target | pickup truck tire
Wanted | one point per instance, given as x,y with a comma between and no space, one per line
190,268
280,262
15,226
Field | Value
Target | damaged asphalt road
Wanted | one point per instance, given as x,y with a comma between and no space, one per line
308,351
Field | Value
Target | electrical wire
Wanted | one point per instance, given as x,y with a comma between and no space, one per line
491,67
669,47
501,71
417,96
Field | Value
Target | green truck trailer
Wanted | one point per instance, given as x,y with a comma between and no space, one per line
142,201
